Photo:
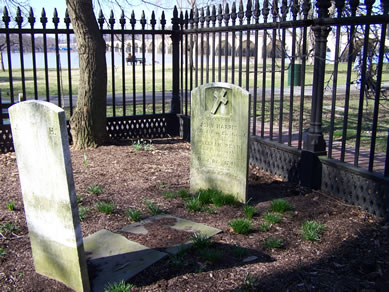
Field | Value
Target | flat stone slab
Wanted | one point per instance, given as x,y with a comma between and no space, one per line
180,224
112,258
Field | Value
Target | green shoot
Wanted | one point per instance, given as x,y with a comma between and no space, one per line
135,215
249,211
95,189
119,287
273,242
153,208
105,207
311,230
10,206
280,206
272,218
240,225
200,240
82,212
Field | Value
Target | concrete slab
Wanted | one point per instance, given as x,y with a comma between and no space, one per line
112,258
180,224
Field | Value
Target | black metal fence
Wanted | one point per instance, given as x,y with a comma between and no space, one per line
318,74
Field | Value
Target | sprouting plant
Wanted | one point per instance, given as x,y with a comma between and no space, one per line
193,205
239,251
240,225
249,282
280,206
215,197
212,255
264,227
135,215
119,287
153,208
177,260
170,195
85,160
148,146
82,212
105,207
95,189
311,230
272,218
8,228
10,206
3,252
273,242
200,240
79,199
249,211
141,144
183,193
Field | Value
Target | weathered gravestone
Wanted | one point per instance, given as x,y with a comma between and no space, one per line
46,178
220,139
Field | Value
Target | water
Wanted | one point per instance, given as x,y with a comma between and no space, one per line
74,59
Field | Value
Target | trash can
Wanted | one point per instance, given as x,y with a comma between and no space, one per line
296,75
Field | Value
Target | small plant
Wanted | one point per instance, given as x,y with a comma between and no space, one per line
95,189
272,218
249,282
273,242
3,252
264,227
153,208
240,225
249,211
205,196
79,199
141,144
82,212
219,199
200,240
280,206
10,206
183,193
134,214
170,195
105,207
193,205
177,260
85,160
311,230
239,251
119,287
8,228
212,255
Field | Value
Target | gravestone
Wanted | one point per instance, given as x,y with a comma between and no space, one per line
42,152
220,139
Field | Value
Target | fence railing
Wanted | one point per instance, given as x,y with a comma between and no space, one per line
318,75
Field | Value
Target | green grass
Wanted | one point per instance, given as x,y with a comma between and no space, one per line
8,228
264,227
272,218
311,230
216,197
3,252
105,207
239,252
135,215
95,189
280,206
183,193
211,255
79,199
119,287
193,204
240,225
153,208
10,206
273,242
82,213
249,211
142,145
200,240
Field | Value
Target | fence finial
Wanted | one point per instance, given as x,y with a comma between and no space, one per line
6,18
249,13
322,8
67,18
202,17
265,10
132,19
101,19
143,19
233,13
111,19
122,20
213,17
43,18
284,9
226,14
163,20
153,21
31,18
220,15
19,18
55,18
241,12
208,16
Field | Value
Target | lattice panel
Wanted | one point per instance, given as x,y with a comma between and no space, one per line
142,127
6,144
358,187
271,157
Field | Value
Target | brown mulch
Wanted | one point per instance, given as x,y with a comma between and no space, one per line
352,254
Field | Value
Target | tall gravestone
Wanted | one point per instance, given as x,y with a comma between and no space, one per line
42,152
220,139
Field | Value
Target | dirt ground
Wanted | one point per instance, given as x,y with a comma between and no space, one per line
352,254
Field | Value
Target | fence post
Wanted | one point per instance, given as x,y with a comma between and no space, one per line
176,103
314,141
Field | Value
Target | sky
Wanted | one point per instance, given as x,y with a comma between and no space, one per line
138,6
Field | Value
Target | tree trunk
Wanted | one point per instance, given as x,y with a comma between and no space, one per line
88,123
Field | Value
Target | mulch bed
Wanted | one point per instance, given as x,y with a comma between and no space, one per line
352,254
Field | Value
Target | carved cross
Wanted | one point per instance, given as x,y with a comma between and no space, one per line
220,98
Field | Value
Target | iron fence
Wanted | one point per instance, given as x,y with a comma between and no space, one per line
318,74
